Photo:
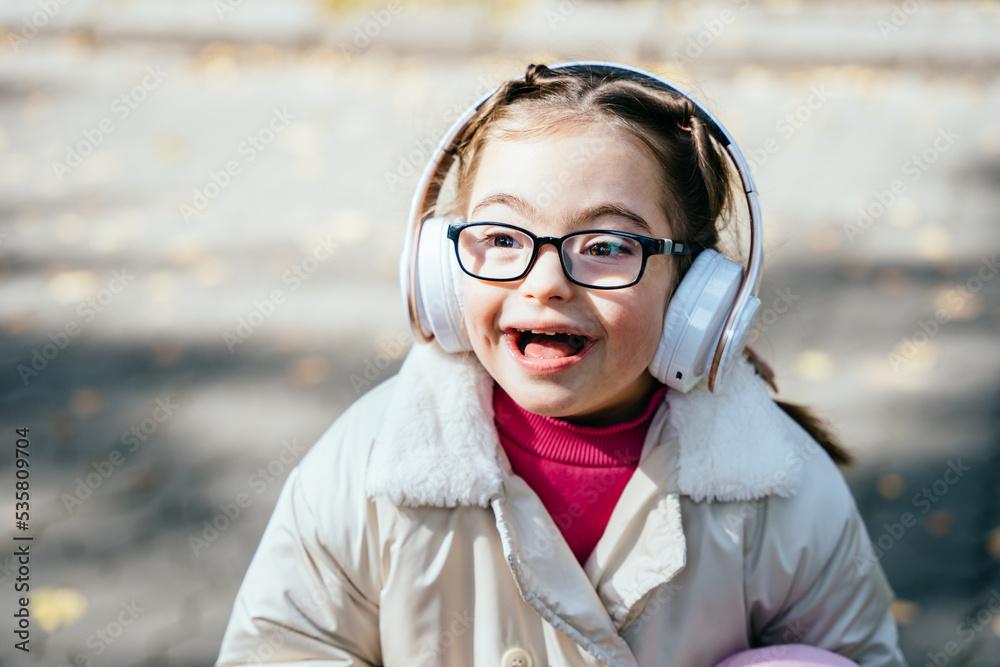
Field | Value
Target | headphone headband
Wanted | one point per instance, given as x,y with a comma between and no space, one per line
429,188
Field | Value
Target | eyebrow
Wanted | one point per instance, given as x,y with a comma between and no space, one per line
526,209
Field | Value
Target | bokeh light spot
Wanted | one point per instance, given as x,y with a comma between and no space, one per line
904,611
940,523
891,486
814,365
72,286
86,402
171,147
56,608
934,243
308,371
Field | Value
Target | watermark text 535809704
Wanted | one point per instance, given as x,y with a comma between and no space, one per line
22,540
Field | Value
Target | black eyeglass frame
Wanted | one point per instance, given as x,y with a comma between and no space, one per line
650,246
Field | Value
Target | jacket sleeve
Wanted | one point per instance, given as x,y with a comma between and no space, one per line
311,591
811,576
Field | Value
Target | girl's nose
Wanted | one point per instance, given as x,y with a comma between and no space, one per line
546,279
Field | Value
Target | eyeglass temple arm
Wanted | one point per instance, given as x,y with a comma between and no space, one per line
670,247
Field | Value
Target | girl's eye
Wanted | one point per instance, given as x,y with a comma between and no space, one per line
607,248
501,240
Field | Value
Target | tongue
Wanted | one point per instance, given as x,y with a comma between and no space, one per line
540,346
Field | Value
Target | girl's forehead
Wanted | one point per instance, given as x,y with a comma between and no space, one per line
579,143
558,175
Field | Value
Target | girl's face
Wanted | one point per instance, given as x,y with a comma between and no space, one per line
590,178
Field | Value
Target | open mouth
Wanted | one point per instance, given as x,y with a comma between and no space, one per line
549,345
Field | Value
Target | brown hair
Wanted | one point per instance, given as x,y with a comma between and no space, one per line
697,185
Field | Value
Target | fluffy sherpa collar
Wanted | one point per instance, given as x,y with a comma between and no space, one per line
439,446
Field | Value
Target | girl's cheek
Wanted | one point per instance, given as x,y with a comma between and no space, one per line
642,331
477,311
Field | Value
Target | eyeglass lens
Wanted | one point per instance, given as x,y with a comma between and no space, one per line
599,259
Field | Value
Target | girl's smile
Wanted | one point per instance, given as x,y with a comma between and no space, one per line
547,348
558,348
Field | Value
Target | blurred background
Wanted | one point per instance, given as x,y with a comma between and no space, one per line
202,205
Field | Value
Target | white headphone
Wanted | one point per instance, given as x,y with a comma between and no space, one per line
709,316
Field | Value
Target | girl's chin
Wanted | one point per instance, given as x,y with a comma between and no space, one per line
547,401
542,396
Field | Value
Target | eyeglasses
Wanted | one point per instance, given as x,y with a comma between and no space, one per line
595,258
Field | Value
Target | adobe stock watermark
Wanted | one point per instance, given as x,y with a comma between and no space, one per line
783,302
924,501
966,630
792,634
909,347
561,13
914,168
229,511
414,160
409,164
593,490
590,493
389,351
121,108
264,308
223,7
656,601
787,126
60,339
131,441
795,460
8,568
366,33
710,31
272,640
248,149
898,17
433,648
104,638
30,25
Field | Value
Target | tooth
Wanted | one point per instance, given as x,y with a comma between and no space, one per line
548,333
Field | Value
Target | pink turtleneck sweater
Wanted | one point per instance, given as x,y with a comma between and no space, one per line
578,472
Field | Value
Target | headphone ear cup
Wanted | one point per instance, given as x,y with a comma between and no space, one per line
742,326
694,320
439,291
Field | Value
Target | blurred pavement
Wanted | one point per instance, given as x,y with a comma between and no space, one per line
201,213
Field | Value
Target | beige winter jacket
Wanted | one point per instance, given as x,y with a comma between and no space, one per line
404,539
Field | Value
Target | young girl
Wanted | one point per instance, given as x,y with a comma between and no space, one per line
579,467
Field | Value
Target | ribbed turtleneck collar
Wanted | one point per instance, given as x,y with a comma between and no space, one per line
558,440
